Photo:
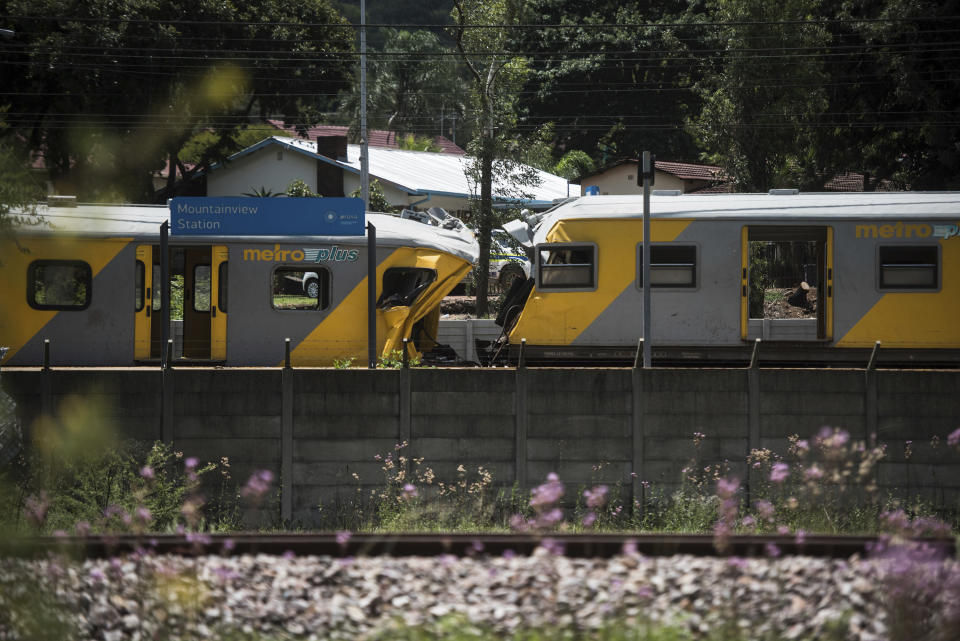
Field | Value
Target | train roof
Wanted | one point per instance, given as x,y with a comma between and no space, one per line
768,208
142,222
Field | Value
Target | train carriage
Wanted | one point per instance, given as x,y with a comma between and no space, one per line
88,278
884,267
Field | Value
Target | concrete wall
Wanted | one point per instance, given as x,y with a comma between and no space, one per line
317,428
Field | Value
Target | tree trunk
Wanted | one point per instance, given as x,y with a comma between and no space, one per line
485,222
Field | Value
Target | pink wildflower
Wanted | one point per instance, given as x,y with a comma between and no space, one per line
813,473
779,472
954,437
596,497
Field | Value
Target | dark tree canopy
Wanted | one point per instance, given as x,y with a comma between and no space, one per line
610,91
109,91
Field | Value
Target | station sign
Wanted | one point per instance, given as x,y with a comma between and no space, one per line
243,216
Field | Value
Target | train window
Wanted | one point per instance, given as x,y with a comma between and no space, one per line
566,267
294,288
670,265
59,284
909,267
402,285
201,288
138,276
222,287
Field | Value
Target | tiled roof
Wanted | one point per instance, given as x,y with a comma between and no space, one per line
688,171
717,188
378,137
851,181
682,170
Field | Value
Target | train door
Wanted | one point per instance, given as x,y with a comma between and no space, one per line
786,283
143,276
198,295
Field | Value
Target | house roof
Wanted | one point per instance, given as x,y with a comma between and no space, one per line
688,171
377,137
852,181
422,173
682,170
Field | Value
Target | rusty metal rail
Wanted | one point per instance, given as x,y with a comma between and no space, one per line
342,545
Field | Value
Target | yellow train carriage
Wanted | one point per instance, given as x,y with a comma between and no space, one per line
870,267
87,279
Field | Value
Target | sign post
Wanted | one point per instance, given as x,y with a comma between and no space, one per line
648,169
371,296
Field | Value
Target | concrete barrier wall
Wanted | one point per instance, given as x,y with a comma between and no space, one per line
319,430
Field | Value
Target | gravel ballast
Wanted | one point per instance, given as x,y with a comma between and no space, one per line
316,597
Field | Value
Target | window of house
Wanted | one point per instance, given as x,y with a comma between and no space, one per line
294,288
566,266
909,267
59,284
670,265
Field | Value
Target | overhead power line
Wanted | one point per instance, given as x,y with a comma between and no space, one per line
501,26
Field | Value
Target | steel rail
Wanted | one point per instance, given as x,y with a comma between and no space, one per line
460,545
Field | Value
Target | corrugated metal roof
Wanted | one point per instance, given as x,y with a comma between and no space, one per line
424,173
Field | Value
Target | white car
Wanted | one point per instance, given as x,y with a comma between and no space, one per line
507,259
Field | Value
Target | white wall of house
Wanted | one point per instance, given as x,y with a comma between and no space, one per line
399,198
272,168
622,180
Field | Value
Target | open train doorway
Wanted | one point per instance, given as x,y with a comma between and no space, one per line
198,303
787,283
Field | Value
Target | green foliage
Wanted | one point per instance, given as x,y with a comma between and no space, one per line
759,131
760,280
413,90
108,490
299,189
615,91
394,360
378,201
128,115
496,77
200,144
458,628
411,142
20,191
261,192
343,363
574,164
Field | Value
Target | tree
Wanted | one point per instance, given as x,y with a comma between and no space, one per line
900,92
496,76
612,76
110,90
574,164
413,86
19,190
764,95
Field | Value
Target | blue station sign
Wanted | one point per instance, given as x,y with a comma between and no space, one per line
267,216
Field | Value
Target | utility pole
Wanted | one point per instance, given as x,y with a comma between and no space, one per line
364,146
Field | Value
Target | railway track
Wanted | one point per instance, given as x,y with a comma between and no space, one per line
459,545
